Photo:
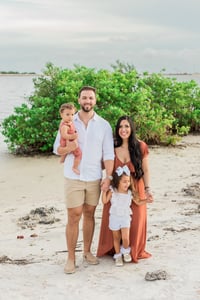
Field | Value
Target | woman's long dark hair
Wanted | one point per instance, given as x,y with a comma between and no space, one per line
133,146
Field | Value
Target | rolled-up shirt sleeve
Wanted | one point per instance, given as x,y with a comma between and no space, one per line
108,145
56,143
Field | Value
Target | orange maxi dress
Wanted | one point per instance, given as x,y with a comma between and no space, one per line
138,228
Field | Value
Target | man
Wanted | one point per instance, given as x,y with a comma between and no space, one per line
82,191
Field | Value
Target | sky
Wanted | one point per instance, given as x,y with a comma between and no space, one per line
150,35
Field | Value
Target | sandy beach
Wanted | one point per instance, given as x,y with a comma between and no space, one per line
32,241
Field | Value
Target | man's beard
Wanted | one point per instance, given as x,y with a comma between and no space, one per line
88,109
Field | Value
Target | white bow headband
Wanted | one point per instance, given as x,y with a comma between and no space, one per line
121,170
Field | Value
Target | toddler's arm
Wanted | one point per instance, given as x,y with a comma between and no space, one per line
106,196
66,135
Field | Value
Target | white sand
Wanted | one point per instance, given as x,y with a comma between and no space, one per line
33,266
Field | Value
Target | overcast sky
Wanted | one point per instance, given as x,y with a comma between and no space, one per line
149,34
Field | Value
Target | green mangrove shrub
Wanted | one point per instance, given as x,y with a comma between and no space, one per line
162,108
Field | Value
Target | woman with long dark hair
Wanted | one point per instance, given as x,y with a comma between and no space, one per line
132,152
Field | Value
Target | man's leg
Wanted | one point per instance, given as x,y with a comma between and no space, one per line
72,231
88,232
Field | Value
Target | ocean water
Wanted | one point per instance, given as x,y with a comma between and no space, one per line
15,90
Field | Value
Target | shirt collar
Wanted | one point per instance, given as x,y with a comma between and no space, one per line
76,117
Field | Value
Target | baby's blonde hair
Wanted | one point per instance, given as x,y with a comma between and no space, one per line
67,106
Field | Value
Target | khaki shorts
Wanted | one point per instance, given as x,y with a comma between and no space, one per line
79,192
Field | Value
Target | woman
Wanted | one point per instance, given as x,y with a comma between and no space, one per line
134,153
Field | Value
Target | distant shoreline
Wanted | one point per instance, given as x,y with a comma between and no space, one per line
37,74
19,74
183,74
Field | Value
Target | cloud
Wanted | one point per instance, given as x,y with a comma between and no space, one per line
99,32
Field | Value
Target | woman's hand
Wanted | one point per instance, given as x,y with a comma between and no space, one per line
149,195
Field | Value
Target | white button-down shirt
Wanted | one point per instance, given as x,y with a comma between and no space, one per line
96,143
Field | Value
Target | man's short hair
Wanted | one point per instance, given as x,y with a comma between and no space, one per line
87,88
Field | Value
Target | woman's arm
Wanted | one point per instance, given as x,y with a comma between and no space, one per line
145,167
146,179
139,202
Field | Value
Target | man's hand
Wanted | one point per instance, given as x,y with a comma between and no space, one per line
74,136
71,146
105,184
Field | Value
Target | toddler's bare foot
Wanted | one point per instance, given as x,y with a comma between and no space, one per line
76,171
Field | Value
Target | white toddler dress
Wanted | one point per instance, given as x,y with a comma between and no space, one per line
120,211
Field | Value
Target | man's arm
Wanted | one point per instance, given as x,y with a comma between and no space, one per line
71,146
109,165
105,183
